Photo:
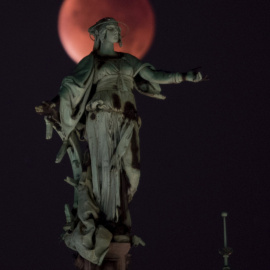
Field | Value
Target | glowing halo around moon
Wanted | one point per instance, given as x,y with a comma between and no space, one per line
76,16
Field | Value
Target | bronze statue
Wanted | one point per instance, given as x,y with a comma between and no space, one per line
96,105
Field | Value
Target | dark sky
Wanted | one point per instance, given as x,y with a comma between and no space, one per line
204,150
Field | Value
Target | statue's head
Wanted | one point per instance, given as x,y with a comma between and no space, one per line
103,29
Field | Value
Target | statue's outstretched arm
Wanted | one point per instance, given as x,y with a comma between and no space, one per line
163,77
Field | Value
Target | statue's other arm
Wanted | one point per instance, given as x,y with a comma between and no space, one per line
162,77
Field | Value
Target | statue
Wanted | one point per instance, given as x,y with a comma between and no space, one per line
96,105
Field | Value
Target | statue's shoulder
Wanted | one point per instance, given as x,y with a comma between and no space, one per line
85,61
133,61
130,57
81,71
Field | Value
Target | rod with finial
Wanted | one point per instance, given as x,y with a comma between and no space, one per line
226,251
224,215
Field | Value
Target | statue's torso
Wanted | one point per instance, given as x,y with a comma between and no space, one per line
114,82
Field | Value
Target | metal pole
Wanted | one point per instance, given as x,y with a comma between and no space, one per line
224,215
226,251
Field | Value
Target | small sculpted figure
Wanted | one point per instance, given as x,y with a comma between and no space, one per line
97,105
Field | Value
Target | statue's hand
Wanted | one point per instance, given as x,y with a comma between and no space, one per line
136,241
46,108
194,76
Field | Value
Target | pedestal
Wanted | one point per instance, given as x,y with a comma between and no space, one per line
117,258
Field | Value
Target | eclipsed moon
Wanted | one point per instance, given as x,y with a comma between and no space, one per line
76,16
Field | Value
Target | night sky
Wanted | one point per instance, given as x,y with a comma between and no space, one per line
204,150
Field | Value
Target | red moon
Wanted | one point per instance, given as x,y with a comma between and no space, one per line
76,16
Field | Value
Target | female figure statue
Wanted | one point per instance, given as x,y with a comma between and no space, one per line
97,101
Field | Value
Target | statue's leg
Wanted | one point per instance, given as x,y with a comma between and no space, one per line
131,162
102,133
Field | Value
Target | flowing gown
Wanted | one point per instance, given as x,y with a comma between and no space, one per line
112,128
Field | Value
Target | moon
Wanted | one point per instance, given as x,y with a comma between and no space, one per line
76,16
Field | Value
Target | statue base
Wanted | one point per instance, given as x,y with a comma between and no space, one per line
117,258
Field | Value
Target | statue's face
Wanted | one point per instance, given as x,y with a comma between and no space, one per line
112,33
